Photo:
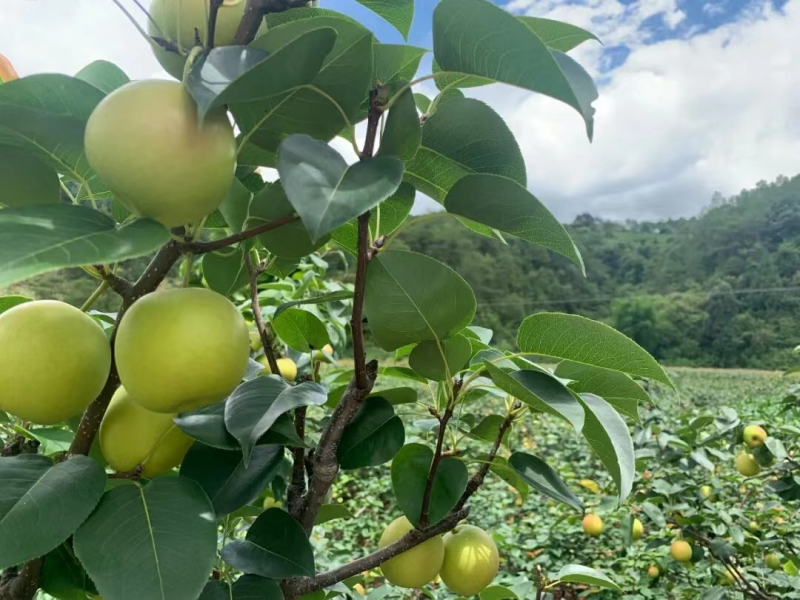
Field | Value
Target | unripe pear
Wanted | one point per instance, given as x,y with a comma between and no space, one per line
773,561
681,551
270,502
638,529
753,526
286,367
754,436
746,465
54,361
146,144
592,525
322,355
471,560
181,349
255,341
176,21
415,567
131,435
706,491
653,572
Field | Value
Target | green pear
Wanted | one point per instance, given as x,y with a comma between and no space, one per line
681,551
637,530
146,144
415,567
131,435
754,436
54,361
746,465
773,561
181,349
471,560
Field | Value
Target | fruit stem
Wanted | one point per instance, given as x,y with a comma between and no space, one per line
104,285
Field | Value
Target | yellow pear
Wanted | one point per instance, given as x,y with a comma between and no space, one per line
471,560
181,349
681,551
706,491
131,435
592,525
637,530
54,360
176,20
415,567
270,502
146,144
754,436
746,465
286,366
653,571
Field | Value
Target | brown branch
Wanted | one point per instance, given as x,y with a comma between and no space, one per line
213,245
477,479
437,458
298,485
266,341
357,320
120,285
254,15
212,23
300,587
23,586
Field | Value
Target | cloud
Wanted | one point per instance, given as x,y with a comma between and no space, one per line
678,120
713,9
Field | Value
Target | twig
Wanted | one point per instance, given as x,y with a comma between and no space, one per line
95,296
254,15
298,485
266,341
24,585
211,246
306,585
212,23
357,320
437,458
118,284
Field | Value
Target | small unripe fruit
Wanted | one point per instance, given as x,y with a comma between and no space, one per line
638,529
181,349
54,360
754,436
255,341
270,502
131,435
653,572
746,465
286,367
471,560
415,567
592,525
753,526
681,551
146,144
706,491
773,561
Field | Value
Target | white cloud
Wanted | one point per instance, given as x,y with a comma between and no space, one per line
679,120
714,9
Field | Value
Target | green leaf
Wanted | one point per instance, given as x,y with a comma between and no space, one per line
423,103
488,429
225,272
536,473
323,299
42,504
374,436
498,592
7,302
503,470
582,340
63,577
332,512
476,37
255,405
540,391
247,587
341,85
46,115
301,330
398,13
228,482
237,74
275,547
410,469
104,75
446,82
174,524
450,151
325,191
396,62
607,434
397,396
556,34
505,205
25,180
403,299
52,440
440,359
383,219
585,575
616,388
402,133
236,204
291,241
38,239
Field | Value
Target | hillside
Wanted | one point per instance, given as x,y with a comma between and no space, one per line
721,289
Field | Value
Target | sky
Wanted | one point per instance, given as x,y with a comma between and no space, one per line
696,96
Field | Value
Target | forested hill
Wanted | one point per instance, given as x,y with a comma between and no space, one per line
721,289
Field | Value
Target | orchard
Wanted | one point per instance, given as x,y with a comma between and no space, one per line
248,424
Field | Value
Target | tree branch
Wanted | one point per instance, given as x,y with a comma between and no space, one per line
357,320
254,15
298,485
306,585
437,458
213,245
118,284
212,23
266,341
23,586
